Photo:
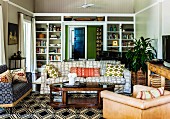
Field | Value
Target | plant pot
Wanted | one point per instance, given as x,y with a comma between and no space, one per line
138,78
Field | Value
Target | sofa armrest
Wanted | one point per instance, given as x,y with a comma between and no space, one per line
127,74
6,93
119,98
43,76
138,103
3,68
137,88
29,77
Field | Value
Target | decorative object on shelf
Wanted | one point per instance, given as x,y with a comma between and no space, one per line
52,44
39,64
68,18
19,54
111,28
41,35
12,33
114,28
100,18
40,29
115,43
58,44
40,58
142,52
50,27
54,28
14,56
84,19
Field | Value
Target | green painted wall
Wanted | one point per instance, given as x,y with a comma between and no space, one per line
66,43
91,42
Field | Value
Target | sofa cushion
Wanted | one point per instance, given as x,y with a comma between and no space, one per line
103,65
154,93
114,70
90,72
77,70
6,77
19,75
19,89
85,72
64,67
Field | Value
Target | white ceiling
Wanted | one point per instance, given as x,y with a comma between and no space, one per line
72,6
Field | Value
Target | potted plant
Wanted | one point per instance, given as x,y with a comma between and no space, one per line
142,52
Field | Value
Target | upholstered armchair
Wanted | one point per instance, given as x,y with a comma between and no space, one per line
118,106
11,93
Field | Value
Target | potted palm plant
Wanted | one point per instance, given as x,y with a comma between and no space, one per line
142,52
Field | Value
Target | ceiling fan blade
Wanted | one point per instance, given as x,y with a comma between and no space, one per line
90,5
86,5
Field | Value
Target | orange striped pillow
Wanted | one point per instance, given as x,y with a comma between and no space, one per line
90,72
85,72
154,93
77,70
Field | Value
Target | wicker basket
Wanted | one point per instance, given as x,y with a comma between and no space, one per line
100,18
155,80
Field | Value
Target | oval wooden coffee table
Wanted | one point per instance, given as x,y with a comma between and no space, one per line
66,100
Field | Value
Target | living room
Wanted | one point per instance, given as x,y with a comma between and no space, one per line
148,18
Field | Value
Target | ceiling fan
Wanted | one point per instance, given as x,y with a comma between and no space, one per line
86,5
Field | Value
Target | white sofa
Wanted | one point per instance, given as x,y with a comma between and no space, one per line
122,84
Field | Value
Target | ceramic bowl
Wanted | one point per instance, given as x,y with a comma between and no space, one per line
52,44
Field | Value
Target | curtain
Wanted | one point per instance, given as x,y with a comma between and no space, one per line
2,45
21,34
33,50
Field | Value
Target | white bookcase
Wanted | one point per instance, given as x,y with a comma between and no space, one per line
48,43
118,33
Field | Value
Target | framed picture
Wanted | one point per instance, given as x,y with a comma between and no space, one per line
12,33
115,43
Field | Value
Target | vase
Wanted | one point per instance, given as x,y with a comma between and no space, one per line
71,81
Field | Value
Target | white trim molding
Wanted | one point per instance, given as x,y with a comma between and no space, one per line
146,8
11,3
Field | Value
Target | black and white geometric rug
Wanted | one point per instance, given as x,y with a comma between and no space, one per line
36,106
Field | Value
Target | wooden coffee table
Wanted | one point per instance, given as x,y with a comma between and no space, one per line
65,100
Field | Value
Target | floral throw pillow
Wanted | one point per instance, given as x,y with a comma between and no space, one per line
52,71
6,77
114,70
154,93
19,75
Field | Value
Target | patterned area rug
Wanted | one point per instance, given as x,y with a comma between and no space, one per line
36,106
